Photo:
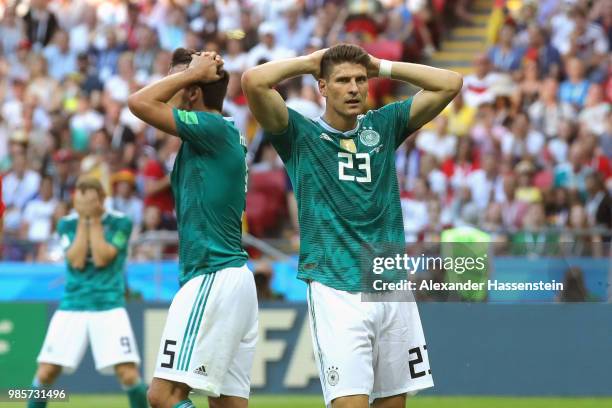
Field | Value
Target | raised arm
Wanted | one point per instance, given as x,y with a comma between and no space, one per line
265,102
150,104
439,87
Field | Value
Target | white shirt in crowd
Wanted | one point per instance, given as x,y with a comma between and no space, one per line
38,214
442,147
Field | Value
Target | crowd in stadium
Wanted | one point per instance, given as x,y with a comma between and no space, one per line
524,152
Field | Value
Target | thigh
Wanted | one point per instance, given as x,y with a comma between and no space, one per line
112,340
401,361
237,380
342,335
66,340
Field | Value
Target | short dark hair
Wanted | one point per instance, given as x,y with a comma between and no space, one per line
343,53
213,93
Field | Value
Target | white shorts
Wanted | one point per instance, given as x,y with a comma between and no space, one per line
372,348
109,332
209,339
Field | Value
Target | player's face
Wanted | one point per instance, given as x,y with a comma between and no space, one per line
346,89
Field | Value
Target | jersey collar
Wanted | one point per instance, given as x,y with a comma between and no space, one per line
348,133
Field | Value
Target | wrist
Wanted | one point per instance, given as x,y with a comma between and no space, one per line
384,68
313,64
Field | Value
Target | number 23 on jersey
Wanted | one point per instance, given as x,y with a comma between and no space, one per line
361,161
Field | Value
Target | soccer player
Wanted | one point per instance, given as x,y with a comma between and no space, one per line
211,330
92,308
342,169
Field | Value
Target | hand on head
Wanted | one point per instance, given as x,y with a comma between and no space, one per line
208,65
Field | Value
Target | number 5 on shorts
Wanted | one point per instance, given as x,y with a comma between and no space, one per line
169,353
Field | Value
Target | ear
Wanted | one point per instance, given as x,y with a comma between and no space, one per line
322,87
194,93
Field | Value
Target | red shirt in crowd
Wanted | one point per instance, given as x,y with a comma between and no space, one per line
162,199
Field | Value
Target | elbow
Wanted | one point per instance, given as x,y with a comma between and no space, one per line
247,80
135,104
100,263
77,264
251,80
455,82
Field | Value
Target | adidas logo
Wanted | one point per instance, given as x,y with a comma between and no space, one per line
325,136
201,370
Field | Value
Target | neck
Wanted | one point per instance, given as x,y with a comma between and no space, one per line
339,122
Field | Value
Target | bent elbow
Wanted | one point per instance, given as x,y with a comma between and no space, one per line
134,104
246,80
456,82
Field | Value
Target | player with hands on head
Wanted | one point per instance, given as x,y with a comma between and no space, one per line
342,167
209,338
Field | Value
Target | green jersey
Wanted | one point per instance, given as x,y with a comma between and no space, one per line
346,188
209,185
95,288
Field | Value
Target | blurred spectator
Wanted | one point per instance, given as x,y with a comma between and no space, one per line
535,239
576,240
295,30
540,51
157,192
40,24
172,34
476,86
145,53
414,210
64,175
11,31
83,123
595,111
107,54
526,191
300,98
513,208
206,25
19,187
575,88
572,173
505,57
599,202
486,183
522,141
546,113
118,87
587,41
62,61
438,142
124,197
86,76
37,214
268,49
460,116
96,163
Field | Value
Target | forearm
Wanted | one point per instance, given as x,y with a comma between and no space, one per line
77,253
268,75
164,89
426,77
102,252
